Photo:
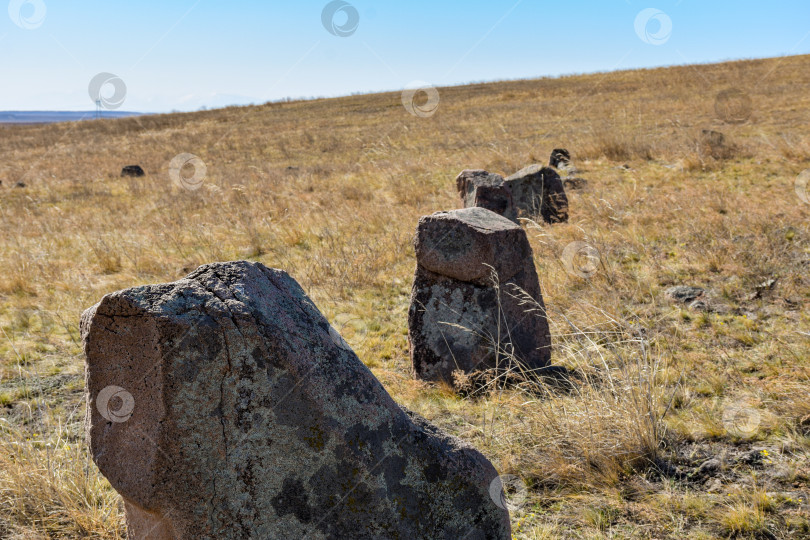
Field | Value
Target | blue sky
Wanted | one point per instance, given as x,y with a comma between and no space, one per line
184,54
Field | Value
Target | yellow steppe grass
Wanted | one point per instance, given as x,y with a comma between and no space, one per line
331,190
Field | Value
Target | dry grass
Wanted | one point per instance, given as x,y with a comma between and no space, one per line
51,488
331,191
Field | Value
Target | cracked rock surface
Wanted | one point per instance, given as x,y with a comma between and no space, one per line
457,314
224,405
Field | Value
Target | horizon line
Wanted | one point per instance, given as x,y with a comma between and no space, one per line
291,99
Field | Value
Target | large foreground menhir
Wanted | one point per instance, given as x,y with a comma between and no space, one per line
224,405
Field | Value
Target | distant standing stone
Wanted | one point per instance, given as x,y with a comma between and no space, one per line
538,192
485,190
457,316
559,156
224,405
134,171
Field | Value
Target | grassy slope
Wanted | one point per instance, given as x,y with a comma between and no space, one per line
331,190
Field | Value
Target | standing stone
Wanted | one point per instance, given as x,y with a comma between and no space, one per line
134,171
538,192
485,190
457,316
559,156
224,405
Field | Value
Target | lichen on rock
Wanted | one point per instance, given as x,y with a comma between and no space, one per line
250,421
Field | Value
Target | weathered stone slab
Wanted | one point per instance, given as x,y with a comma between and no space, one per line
485,190
538,192
457,315
224,405
134,171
